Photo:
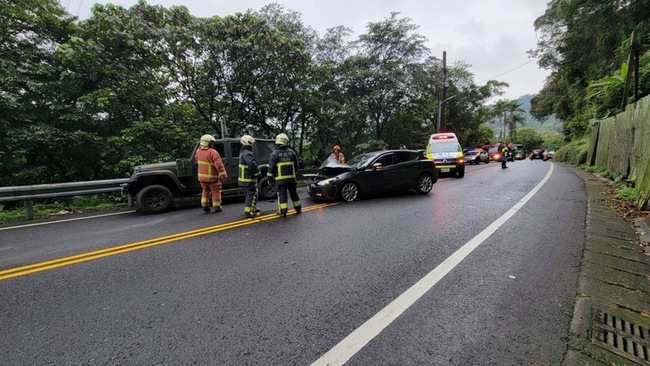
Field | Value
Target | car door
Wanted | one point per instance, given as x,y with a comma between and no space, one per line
231,162
406,170
484,158
381,175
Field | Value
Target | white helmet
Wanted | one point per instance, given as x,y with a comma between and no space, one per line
206,140
247,140
281,139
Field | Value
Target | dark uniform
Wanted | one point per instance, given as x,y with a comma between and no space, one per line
249,173
504,158
283,165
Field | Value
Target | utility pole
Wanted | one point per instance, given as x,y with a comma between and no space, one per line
443,92
224,130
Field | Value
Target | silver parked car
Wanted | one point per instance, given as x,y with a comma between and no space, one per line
477,157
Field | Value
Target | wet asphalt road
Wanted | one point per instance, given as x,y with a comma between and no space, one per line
287,291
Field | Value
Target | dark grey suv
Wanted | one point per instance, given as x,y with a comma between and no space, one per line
154,186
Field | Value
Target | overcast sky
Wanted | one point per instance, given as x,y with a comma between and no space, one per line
490,35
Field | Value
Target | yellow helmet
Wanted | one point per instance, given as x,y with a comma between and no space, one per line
281,139
247,140
206,140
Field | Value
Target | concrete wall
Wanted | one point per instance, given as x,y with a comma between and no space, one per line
622,145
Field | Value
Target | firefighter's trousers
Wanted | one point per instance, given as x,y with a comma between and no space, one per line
291,187
250,201
211,190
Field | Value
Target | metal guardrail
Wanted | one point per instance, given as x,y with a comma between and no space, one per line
41,191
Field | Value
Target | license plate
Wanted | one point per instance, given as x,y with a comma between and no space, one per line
445,170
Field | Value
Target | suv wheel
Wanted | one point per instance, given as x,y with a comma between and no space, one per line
266,190
155,199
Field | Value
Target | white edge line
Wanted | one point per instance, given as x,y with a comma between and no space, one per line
65,220
351,344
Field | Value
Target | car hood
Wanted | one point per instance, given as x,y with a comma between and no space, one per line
331,168
157,166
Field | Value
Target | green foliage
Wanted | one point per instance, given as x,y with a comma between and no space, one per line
574,153
405,127
589,168
627,193
529,138
84,100
584,43
477,137
64,206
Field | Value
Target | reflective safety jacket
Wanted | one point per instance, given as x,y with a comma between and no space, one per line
283,164
211,168
248,167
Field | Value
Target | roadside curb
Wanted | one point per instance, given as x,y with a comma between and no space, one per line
611,318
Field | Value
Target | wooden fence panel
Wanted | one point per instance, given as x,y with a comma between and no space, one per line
622,145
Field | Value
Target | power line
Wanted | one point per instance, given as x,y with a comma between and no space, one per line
509,71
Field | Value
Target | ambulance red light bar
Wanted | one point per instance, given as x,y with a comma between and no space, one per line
442,136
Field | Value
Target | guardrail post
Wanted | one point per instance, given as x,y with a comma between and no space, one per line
29,210
129,200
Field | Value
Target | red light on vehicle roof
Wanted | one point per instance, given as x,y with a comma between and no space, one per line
440,137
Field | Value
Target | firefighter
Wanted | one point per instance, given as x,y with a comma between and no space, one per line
249,174
211,173
337,154
283,165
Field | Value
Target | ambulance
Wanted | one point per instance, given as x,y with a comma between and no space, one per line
445,151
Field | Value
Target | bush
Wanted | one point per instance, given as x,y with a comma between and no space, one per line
574,153
627,193
63,206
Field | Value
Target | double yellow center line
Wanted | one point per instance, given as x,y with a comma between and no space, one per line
120,249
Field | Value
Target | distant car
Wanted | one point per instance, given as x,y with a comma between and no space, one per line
519,155
372,173
477,157
538,154
550,154
494,153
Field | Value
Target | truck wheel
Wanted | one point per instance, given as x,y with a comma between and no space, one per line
266,190
461,172
155,199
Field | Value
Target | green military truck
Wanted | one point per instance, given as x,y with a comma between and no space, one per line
153,187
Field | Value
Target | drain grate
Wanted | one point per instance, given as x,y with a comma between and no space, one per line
621,336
